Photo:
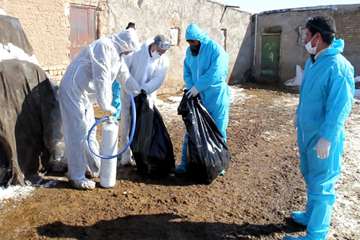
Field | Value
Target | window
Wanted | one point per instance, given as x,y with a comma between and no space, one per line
175,36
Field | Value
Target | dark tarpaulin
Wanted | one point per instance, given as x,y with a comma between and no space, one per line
12,32
30,122
207,153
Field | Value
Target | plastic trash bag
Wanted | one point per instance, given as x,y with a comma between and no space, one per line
297,80
207,153
151,147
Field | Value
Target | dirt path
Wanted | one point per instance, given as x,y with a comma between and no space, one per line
251,201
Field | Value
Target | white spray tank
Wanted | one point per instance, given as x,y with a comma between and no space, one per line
109,147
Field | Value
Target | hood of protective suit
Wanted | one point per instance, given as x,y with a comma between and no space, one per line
336,47
193,32
126,41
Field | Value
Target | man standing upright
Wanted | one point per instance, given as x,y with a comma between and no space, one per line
325,103
205,72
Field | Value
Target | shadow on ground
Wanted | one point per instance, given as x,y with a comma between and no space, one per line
162,226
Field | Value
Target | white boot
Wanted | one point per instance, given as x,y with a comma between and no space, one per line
83,184
127,159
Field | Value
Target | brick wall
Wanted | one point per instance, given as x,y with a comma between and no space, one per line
46,24
46,27
348,27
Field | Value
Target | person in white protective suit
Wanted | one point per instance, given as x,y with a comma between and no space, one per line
88,79
148,67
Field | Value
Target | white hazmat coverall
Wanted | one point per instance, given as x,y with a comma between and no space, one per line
90,76
147,73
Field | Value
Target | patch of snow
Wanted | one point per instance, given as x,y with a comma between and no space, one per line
346,216
168,107
357,79
238,95
10,51
2,12
15,193
170,104
357,94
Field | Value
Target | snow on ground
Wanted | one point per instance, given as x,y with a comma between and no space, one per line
169,105
238,95
10,51
14,193
357,94
346,216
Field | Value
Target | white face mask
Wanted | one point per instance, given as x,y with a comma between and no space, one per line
311,50
155,55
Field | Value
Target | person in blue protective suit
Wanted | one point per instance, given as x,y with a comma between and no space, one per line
116,102
325,103
205,72
116,87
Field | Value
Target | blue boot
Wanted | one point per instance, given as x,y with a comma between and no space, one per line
300,217
298,238
307,237
183,166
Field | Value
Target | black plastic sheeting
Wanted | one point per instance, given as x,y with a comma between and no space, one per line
151,147
30,122
207,153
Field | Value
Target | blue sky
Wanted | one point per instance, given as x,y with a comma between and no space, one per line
264,5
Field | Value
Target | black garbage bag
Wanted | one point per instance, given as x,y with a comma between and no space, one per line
207,153
151,147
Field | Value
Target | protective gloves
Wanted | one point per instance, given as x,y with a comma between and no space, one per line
192,92
323,148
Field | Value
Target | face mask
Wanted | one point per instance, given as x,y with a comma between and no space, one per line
311,50
155,55
195,50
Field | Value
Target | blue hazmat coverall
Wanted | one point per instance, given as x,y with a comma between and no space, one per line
116,102
208,72
325,103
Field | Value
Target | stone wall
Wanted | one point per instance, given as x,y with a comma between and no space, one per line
153,17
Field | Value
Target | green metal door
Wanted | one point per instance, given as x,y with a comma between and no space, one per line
270,55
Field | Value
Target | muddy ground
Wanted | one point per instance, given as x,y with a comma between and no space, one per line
252,200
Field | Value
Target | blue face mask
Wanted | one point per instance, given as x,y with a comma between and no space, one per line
195,50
